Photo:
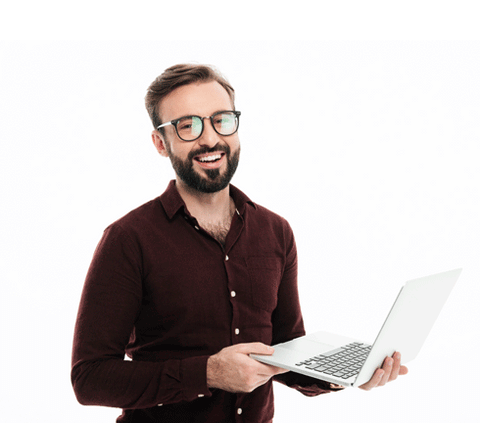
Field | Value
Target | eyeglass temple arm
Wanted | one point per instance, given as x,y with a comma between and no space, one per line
164,124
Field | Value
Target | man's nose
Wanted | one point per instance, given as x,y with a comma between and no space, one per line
209,137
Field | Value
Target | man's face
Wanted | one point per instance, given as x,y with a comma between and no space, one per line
207,164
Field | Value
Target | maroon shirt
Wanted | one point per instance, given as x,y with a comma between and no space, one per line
166,293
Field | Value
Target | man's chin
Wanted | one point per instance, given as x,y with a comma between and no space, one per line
209,187
209,183
203,180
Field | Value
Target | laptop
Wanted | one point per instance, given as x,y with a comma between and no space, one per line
350,362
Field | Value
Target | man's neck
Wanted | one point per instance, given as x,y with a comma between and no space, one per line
207,207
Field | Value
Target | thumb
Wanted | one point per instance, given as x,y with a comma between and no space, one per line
257,348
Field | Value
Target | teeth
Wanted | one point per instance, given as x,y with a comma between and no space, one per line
210,158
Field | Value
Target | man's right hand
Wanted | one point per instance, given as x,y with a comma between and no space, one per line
234,371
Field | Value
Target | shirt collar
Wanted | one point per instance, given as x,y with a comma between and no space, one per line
172,201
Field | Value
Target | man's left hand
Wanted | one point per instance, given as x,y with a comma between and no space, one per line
389,371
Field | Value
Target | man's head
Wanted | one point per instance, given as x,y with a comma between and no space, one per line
206,163
176,76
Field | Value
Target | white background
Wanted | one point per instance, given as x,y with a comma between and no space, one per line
369,148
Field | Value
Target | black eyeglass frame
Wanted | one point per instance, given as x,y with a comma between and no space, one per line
174,122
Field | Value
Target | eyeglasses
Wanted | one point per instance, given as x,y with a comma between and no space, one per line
190,128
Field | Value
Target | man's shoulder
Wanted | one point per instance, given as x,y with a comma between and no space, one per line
140,216
266,217
256,210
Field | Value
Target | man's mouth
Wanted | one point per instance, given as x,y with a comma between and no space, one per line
210,160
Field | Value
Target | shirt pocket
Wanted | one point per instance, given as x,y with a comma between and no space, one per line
264,274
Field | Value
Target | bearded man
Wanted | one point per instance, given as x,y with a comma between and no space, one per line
188,285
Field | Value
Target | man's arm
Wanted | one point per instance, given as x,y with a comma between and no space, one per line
111,301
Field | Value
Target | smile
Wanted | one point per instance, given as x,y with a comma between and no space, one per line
207,159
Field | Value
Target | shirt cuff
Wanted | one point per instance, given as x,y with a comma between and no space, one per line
194,378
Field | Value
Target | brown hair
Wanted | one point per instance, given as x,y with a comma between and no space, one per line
176,76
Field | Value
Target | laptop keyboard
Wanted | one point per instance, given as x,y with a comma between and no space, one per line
343,362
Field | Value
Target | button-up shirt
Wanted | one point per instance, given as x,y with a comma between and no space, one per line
166,294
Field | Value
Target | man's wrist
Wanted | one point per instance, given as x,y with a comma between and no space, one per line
211,371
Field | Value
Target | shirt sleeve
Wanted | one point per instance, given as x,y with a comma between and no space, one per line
110,303
288,321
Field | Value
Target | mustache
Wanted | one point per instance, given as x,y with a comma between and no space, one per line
205,150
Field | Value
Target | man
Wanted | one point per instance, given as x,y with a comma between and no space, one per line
191,283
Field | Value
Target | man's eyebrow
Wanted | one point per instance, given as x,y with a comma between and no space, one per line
199,115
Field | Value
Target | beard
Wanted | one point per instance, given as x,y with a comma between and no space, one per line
214,180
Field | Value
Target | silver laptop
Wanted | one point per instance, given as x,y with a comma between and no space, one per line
350,362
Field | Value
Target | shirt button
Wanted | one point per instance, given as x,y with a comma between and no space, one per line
159,405
233,294
226,258
239,411
197,228
200,395
237,331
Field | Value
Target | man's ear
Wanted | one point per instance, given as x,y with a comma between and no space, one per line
159,143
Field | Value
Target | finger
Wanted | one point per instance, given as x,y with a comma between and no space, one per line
279,370
261,381
387,368
255,348
265,372
374,381
271,370
397,358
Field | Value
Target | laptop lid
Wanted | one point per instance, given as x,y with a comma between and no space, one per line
410,320
405,329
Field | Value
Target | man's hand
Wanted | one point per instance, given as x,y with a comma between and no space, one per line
390,370
234,371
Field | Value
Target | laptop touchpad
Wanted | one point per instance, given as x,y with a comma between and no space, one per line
310,346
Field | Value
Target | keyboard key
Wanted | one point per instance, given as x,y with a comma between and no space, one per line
330,353
312,366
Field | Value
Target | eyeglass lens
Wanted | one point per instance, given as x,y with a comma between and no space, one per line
190,127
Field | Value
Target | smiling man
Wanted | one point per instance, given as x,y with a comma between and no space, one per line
206,156
192,282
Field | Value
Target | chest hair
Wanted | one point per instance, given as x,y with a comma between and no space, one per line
218,231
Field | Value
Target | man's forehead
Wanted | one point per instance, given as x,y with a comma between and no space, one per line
197,98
